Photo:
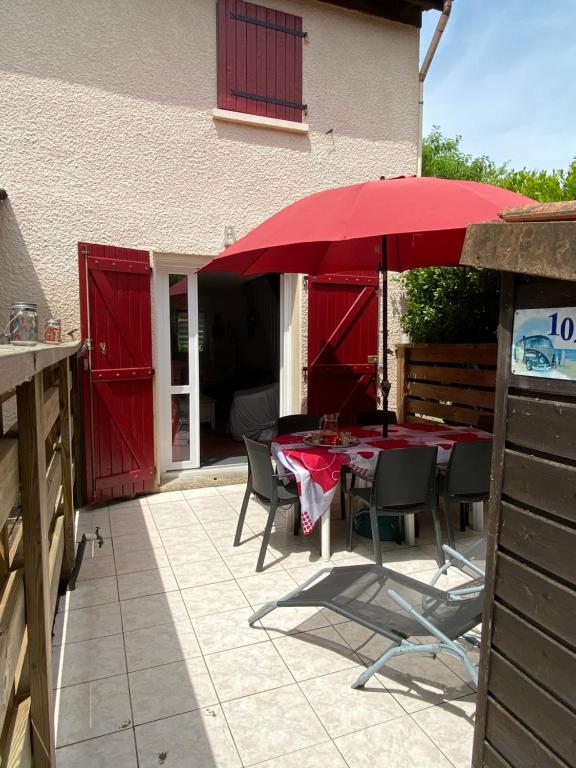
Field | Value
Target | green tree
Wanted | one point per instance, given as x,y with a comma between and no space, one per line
451,305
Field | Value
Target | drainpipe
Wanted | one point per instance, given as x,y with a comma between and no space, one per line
440,27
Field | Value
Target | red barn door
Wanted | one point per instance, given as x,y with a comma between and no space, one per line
342,333
118,415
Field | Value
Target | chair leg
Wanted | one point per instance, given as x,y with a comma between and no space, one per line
448,519
297,518
438,535
350,526
375,536
463,517
343,489
243,510
266,536
398,524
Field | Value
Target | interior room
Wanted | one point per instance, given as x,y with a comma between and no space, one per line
239,362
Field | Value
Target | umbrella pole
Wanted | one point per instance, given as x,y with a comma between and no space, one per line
385,384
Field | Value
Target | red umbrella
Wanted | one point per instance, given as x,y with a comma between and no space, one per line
392,224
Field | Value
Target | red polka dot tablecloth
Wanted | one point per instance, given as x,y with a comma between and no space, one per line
317,469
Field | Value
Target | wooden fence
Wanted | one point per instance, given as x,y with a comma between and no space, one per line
37,467
450,382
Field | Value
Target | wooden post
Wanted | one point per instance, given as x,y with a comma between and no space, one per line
30,398
66,455
501,405
401,370
76,363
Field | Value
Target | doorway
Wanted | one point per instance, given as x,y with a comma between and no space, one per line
238,363
223,354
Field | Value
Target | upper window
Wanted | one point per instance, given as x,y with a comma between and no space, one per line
259,61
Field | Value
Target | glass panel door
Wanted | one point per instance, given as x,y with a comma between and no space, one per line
178,377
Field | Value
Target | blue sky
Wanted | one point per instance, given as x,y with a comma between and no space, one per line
504,78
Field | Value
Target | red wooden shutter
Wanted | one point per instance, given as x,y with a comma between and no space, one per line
259,60
118,402
342,333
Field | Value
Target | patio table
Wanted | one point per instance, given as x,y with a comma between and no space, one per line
317,468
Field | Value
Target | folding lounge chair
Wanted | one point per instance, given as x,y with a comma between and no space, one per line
398,607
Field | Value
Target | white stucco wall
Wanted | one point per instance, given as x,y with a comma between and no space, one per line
107,134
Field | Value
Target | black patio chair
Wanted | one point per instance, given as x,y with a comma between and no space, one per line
465,480
367,418
363,419
270,488
404,484
399,607
297,422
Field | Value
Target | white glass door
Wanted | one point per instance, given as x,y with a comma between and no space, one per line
178,387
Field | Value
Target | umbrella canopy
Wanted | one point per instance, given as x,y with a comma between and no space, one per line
390,224
341,229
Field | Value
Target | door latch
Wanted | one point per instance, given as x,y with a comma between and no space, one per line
102,345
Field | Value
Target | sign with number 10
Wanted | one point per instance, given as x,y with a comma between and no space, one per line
544,343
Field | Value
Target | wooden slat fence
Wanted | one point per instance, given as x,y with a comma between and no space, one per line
452,383
36,540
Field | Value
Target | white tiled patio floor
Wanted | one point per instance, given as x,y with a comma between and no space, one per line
155,664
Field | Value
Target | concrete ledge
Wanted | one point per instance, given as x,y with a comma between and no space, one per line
259,121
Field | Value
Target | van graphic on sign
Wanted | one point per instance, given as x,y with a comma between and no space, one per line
536,353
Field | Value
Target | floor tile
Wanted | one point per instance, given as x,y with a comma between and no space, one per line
236,488
87,522
264,666
96,567
245,564
152,610
137,502
116,749
141,560
417,682
201,493
323,755
225,543
92,709
165,516
343,709
451,728
165,497
226,529
172,508
272,723
146,583
200,738
87,623
213,598
185,551
149,539
130,522
317,652
395,744
369,645
81,662
162,644
181,534
289,621
198,574
171,689
213,511
222,631
264,587
89,593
